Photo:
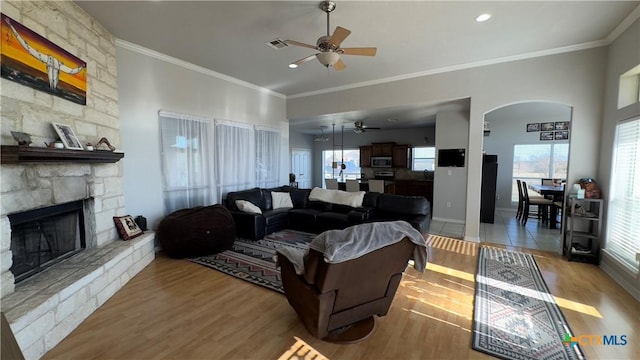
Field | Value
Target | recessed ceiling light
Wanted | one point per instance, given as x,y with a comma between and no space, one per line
293,66
483,17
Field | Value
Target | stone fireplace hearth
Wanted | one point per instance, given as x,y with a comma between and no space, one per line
46,307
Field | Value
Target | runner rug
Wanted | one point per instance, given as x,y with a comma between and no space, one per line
252,261
515,316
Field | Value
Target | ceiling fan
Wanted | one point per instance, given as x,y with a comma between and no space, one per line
360,127
329,45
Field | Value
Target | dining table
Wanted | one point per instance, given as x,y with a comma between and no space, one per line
556,192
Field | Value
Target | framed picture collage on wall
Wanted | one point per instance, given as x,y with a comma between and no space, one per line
558,130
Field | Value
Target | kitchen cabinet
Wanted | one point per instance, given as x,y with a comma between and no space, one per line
401,156
382,149
415,188
365,156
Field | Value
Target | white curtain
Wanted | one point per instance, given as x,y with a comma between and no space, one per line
187,164
235,157
268,145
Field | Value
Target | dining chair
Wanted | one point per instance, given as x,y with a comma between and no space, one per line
376,186
332,184
520,200
543,205
353,185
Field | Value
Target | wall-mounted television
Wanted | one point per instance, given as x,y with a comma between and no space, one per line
451,157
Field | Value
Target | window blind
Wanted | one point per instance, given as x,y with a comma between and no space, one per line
623,230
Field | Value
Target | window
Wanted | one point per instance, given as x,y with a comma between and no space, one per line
267,167
423,158
351,161
629,87
187,171
623,227
235,157
534,162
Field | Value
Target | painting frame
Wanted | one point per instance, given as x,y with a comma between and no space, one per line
533,127
547,126
561,125
67,136
32,60
561,135
546,135
127,227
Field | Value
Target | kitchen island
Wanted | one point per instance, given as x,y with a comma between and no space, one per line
389,186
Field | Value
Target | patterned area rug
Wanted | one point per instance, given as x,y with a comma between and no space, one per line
253,260
515,316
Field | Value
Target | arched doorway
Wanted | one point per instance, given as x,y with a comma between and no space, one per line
531,141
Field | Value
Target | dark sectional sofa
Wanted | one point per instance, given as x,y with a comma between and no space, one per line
317,216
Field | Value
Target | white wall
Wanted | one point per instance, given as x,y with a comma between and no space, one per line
300,141
574,79
452,131
623,54
149,82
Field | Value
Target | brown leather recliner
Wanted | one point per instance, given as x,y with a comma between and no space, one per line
336,302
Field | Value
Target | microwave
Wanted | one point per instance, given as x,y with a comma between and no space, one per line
381,162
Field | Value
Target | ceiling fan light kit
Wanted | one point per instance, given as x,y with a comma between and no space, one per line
328,46
328,59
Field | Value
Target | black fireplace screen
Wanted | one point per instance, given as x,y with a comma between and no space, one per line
42,237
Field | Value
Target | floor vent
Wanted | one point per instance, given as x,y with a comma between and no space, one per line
276,44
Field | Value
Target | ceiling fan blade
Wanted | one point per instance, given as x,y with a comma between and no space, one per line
365,51
297,43
339,65
339,35
304,59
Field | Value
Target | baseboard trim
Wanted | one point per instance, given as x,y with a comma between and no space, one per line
455,221
615,274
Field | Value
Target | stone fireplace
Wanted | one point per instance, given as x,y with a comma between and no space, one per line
41,238
47,306
29,188
41,204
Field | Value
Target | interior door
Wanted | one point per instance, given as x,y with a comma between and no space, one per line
301,167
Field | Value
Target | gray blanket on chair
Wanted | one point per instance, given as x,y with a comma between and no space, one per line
351,243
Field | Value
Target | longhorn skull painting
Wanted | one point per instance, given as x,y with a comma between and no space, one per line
31,60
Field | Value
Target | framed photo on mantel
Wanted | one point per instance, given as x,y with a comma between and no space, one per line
67,136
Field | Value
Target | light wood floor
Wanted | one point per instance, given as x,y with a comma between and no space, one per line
176,309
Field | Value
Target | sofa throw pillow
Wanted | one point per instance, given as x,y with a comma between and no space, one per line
281,200
353,199
248,207
127,227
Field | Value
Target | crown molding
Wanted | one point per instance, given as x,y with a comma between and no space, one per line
500,60
633,16
187,65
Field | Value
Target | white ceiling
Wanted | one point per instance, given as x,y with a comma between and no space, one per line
412,37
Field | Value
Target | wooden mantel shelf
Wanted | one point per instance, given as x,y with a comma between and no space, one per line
15,154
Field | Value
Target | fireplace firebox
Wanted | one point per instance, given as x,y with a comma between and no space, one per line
45,236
